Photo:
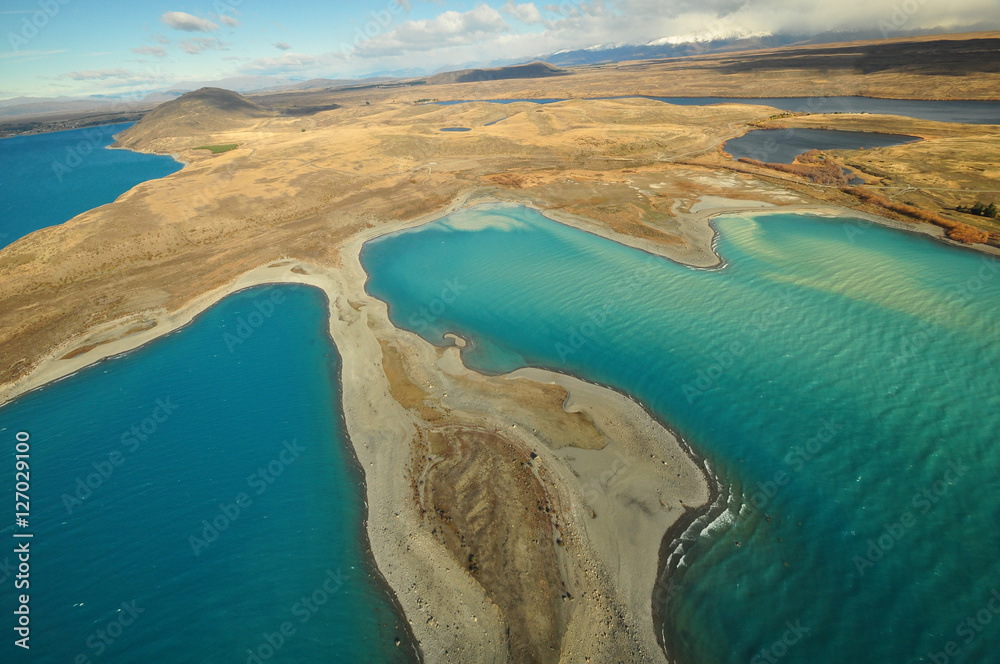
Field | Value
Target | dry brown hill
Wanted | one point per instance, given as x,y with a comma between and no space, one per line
531,70
200,113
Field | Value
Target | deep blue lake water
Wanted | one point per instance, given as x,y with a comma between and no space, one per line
498,101
47,179
197,500
966,112
784,145
842,379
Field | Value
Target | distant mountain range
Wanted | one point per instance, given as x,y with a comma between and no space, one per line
40,107
609,53
530,70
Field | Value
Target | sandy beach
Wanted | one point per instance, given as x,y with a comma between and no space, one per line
609,559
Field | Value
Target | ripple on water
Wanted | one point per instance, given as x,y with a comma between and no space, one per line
823,314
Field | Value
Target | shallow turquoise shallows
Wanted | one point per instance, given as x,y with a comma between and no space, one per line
840,378
47,179
197,500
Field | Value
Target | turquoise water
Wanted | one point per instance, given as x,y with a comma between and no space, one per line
840,378
115,573
784,145
47,179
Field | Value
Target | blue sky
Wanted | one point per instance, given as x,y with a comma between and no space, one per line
79,47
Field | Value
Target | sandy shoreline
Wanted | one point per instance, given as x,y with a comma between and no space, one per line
452,617
703,255
619,568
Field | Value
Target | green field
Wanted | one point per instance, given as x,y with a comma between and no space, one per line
216,149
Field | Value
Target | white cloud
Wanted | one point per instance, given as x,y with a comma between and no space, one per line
196,45
526,13
126,83
158,51
231,21
639,21
577,25
28,55
287,63
187,22
448,29
484,34
99,74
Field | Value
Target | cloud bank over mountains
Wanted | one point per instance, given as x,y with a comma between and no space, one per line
417,37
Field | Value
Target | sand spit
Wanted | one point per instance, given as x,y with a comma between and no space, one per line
607,479
612,478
